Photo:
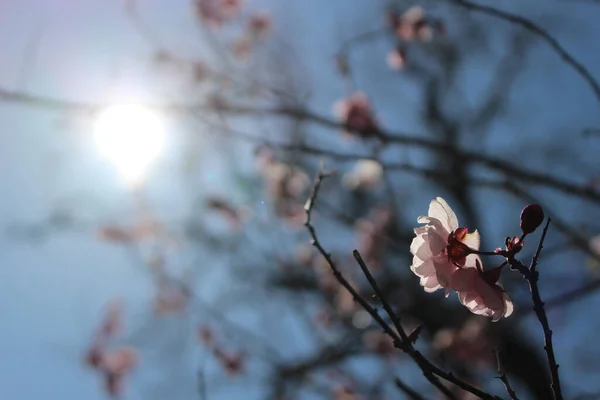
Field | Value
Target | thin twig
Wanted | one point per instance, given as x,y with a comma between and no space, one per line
402,341
336,272
386,306
537,30
511,393
531,275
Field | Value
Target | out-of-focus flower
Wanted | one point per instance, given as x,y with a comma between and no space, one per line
286,185
356,114
117,234
324,318
345,393
235,215
413,15
595,244
260,24
119,361
470,343
366,174
396,59
93,357
379,342
406,27
414,24
171,297
114,365
592,262
214,13
344,302
304,255
230,8
232,363
112,233
207,12
423,31
242,47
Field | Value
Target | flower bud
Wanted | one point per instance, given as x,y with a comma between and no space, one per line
532,216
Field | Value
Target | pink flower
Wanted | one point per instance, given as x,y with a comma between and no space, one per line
366,174
260,23
119,361
242,47
230,8
216,12
432,261
356,113
444,257
396,59
479,292
409,22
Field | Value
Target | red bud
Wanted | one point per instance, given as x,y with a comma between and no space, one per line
532,216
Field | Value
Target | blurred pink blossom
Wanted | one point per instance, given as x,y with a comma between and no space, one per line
242,47
216,12
356,113
366,174
119,361
260,23
396,59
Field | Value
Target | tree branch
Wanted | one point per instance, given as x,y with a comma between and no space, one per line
511,393
537,30
531,275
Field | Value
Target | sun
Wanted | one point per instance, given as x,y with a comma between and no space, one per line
130,136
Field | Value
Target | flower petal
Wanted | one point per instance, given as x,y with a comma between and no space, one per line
422,268
443,270
472,240
440,210
509,305
420,248
463,279
430,283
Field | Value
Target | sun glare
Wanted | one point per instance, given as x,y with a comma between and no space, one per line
130,136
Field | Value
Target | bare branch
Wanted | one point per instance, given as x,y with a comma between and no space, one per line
531,275
511,393
300,113
537,30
